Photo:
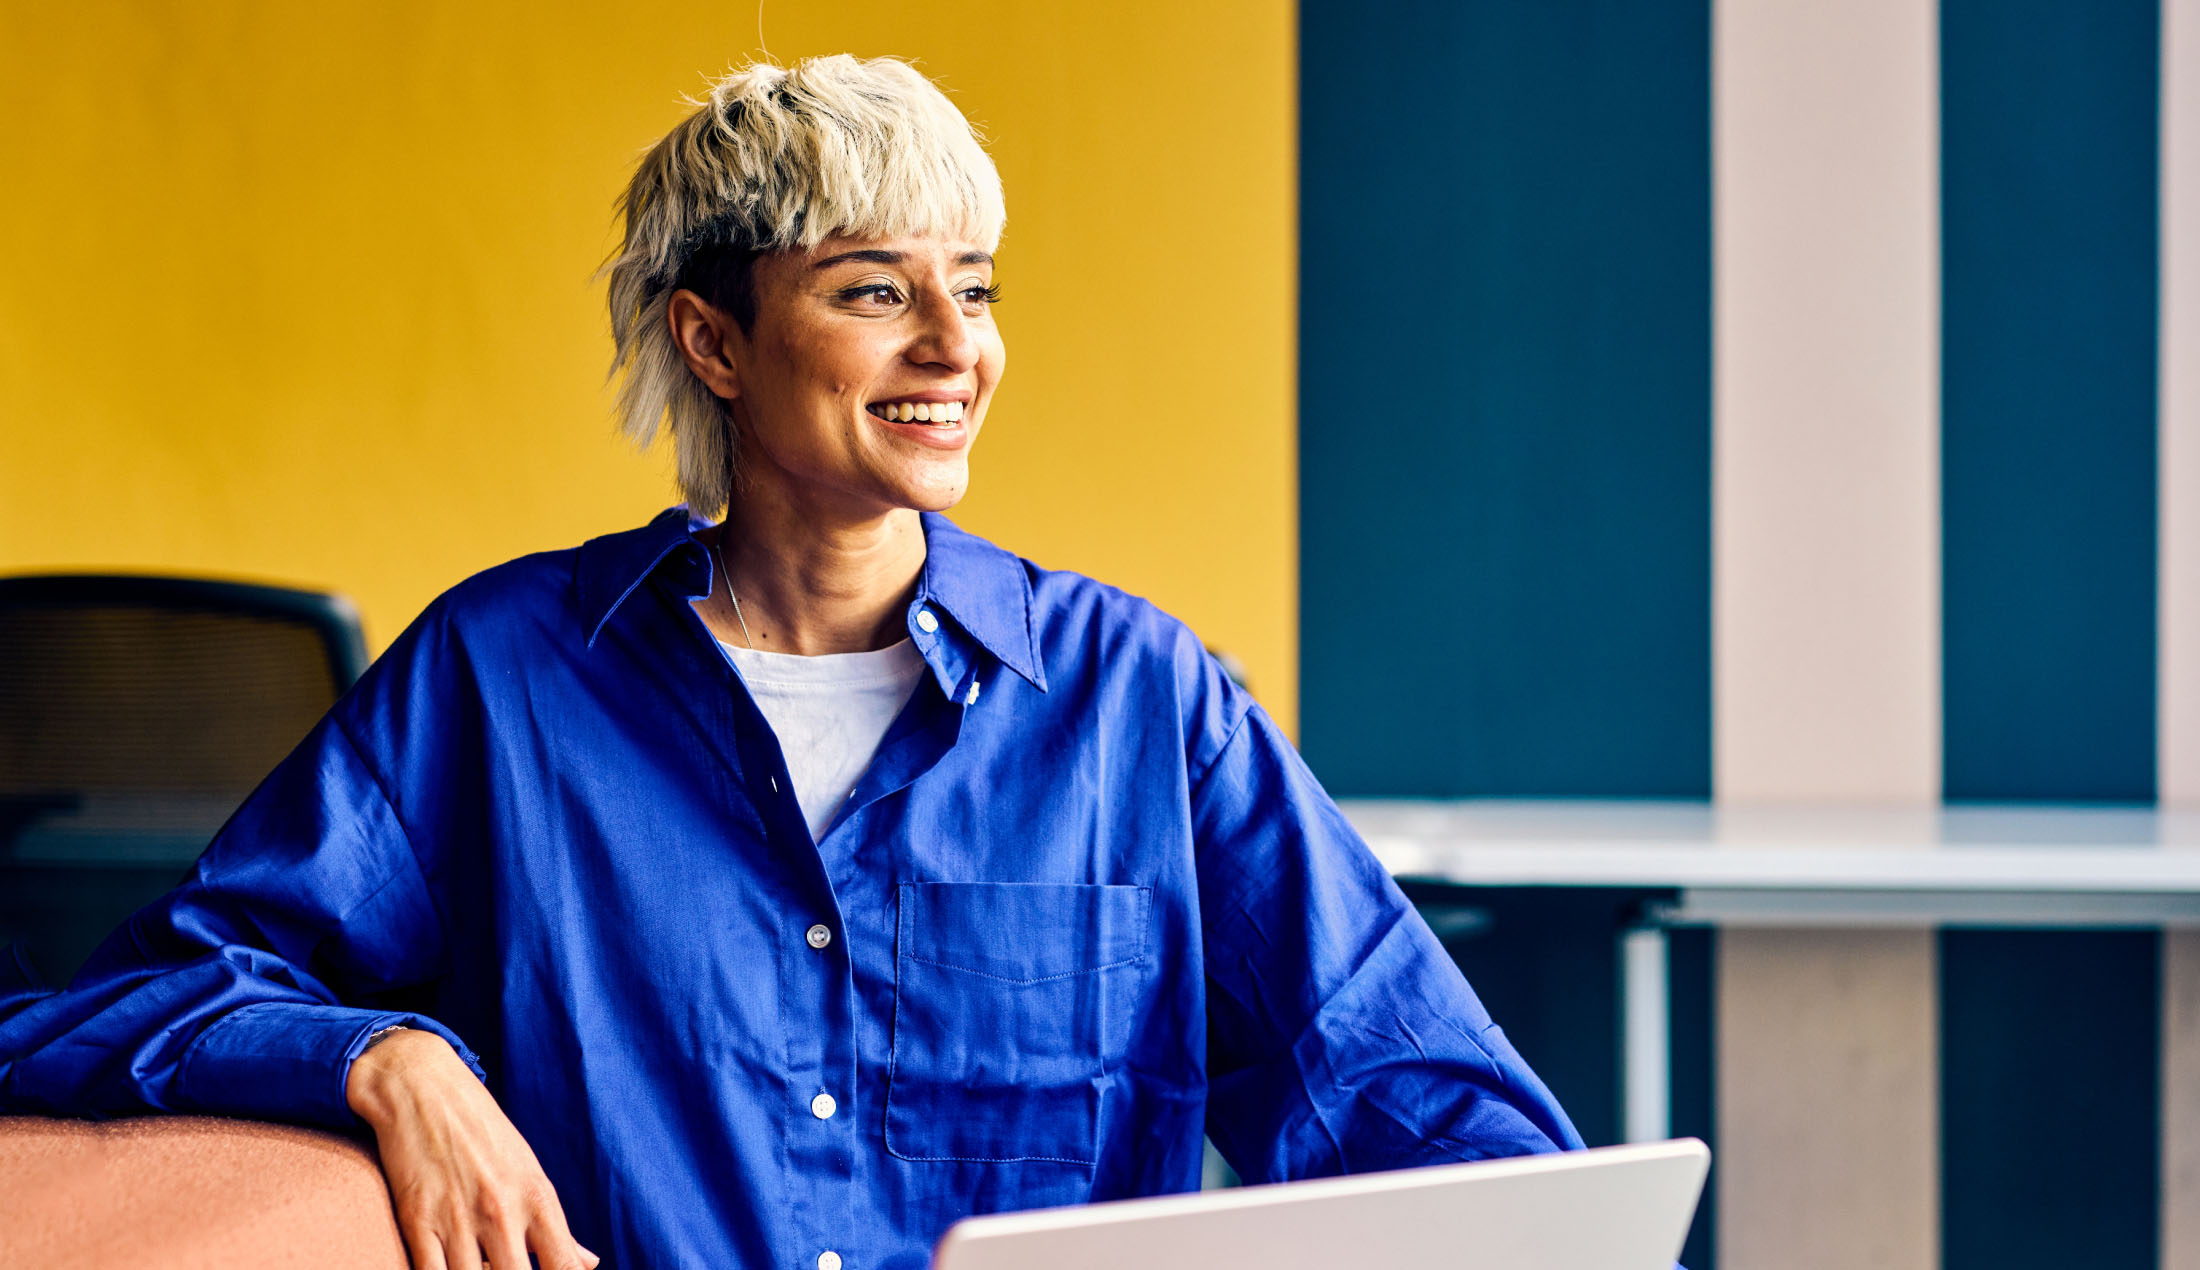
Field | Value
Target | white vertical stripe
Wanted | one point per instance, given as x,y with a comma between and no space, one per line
1826,398
2177,753
1826,616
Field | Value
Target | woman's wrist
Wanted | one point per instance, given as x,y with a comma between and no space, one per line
392,1057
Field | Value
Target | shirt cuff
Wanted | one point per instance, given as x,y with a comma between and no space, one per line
289,1061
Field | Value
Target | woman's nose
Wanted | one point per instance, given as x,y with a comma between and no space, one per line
945,337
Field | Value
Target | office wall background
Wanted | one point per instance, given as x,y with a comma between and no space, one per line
303,293
1778,402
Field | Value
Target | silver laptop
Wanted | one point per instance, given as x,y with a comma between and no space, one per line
1614,1208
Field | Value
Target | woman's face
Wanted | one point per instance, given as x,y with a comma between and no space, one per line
849,337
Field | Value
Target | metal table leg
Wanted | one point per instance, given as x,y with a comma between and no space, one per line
1646,1087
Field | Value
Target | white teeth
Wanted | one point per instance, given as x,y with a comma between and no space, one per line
920,412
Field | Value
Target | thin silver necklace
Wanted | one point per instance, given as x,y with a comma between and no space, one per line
729,592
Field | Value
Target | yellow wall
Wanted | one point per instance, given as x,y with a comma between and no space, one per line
303,292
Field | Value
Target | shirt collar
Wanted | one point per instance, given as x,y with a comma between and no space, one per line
983,590
607,570
987,592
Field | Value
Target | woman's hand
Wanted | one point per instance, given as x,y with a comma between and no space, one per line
466,1187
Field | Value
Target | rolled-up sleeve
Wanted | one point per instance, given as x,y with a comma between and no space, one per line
1341,1037
226,995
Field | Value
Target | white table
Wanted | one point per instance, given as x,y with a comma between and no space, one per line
2068,867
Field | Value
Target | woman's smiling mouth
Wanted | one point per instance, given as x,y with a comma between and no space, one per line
917,411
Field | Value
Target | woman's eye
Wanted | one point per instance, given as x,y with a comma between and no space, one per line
877,293
882,295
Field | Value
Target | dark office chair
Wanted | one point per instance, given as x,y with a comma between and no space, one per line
135,714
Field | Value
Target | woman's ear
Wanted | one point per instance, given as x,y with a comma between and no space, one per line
708,341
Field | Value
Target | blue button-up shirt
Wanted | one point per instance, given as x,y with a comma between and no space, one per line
1085,904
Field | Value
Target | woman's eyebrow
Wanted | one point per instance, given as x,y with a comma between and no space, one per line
875,256
871,256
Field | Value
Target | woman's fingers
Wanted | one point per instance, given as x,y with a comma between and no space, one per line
426,1248
504,1247
494,1229
561,1255
553,1244
505,1226
489,1241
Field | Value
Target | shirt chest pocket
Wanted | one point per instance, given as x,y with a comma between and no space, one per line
1012,1002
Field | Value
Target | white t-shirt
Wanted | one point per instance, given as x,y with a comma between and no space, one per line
829,713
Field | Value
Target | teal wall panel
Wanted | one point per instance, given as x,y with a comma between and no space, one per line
2048,381
2048,1039
1505,387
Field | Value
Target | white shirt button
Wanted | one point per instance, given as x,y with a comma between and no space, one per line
926,622
828,1260
818,936
823,1108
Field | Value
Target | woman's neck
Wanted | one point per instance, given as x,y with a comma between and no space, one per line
810,588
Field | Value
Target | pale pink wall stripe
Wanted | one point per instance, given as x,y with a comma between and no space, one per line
1826,391
1826,603
2179,751
2177,755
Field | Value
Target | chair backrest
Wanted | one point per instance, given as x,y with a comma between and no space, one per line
135,714
191,1191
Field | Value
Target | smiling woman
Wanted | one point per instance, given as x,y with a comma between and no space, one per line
807,278
811,876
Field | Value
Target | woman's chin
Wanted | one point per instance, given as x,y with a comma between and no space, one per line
938,498
922,487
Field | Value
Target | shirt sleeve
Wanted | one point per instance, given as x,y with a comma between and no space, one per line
226,995
1341,1036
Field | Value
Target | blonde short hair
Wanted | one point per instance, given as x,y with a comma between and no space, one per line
776,158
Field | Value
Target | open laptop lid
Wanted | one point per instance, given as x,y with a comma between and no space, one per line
1614,1208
